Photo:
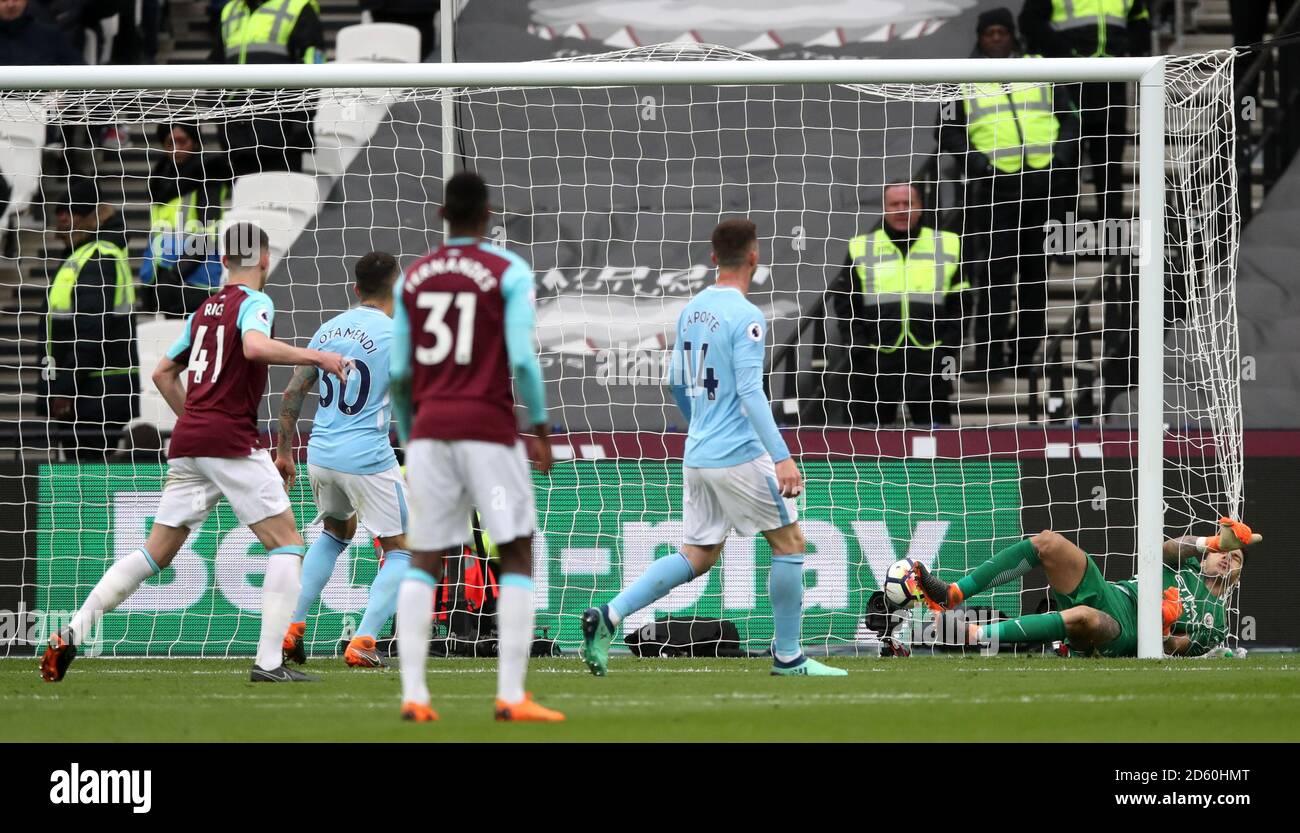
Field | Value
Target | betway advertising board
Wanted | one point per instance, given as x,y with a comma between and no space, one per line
601,523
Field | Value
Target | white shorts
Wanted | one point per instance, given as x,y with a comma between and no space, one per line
449,478
744,497
194,485
378,499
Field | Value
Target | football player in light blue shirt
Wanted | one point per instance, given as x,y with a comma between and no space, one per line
738,473
353,469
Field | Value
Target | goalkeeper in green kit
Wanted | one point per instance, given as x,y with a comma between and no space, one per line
1098,616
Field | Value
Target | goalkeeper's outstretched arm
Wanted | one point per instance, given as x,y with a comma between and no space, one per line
1232,535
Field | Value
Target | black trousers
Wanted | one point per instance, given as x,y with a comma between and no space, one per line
1006,215
269,144
1249,25
100,410
878,383
1103,120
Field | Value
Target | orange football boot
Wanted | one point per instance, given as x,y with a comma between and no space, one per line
293,648
361,653
418,713
527,710
59,654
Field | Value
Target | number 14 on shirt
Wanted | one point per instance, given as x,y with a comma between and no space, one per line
699,376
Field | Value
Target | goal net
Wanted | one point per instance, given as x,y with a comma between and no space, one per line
937,413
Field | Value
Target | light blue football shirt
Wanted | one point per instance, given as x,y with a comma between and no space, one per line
718,366
351,429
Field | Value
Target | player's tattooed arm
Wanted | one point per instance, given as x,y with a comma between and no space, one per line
304,377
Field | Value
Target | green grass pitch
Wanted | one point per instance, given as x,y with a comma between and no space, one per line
949,698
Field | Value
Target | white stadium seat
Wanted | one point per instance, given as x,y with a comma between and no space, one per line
281,227
22,135
377,43
294,194
153,336
99,50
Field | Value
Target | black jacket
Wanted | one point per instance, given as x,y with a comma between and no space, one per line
93,338
28,41
863,325
1084,41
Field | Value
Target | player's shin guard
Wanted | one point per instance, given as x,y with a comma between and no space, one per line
279,592
414,612
785,590
317,568
383,592
514,635
117,584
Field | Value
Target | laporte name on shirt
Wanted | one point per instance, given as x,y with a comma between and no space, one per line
702,317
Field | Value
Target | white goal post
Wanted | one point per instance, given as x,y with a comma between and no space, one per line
882,77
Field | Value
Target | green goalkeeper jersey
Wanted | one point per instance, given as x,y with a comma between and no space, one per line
1205,620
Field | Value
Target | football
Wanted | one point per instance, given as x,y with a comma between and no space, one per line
901,588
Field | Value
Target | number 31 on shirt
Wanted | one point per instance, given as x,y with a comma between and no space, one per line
435,323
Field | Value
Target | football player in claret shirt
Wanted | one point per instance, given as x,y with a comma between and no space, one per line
463,324
216,451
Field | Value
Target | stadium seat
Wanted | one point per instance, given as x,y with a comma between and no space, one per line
345,122
22,135
280,226
99,45
153,337
378,43
343,128
294,194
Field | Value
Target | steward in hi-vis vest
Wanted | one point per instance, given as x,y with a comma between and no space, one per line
898,300
269,32
1087,28
1017,145
1095,28
89,365
187,187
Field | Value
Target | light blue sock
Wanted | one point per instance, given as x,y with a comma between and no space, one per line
316,570
785,591
383,592
655,583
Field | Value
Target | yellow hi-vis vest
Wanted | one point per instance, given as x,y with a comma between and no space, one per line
918,282
1076,14
179,214
264,31
1012,129
59,300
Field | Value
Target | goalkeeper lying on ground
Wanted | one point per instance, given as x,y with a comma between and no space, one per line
1099,616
